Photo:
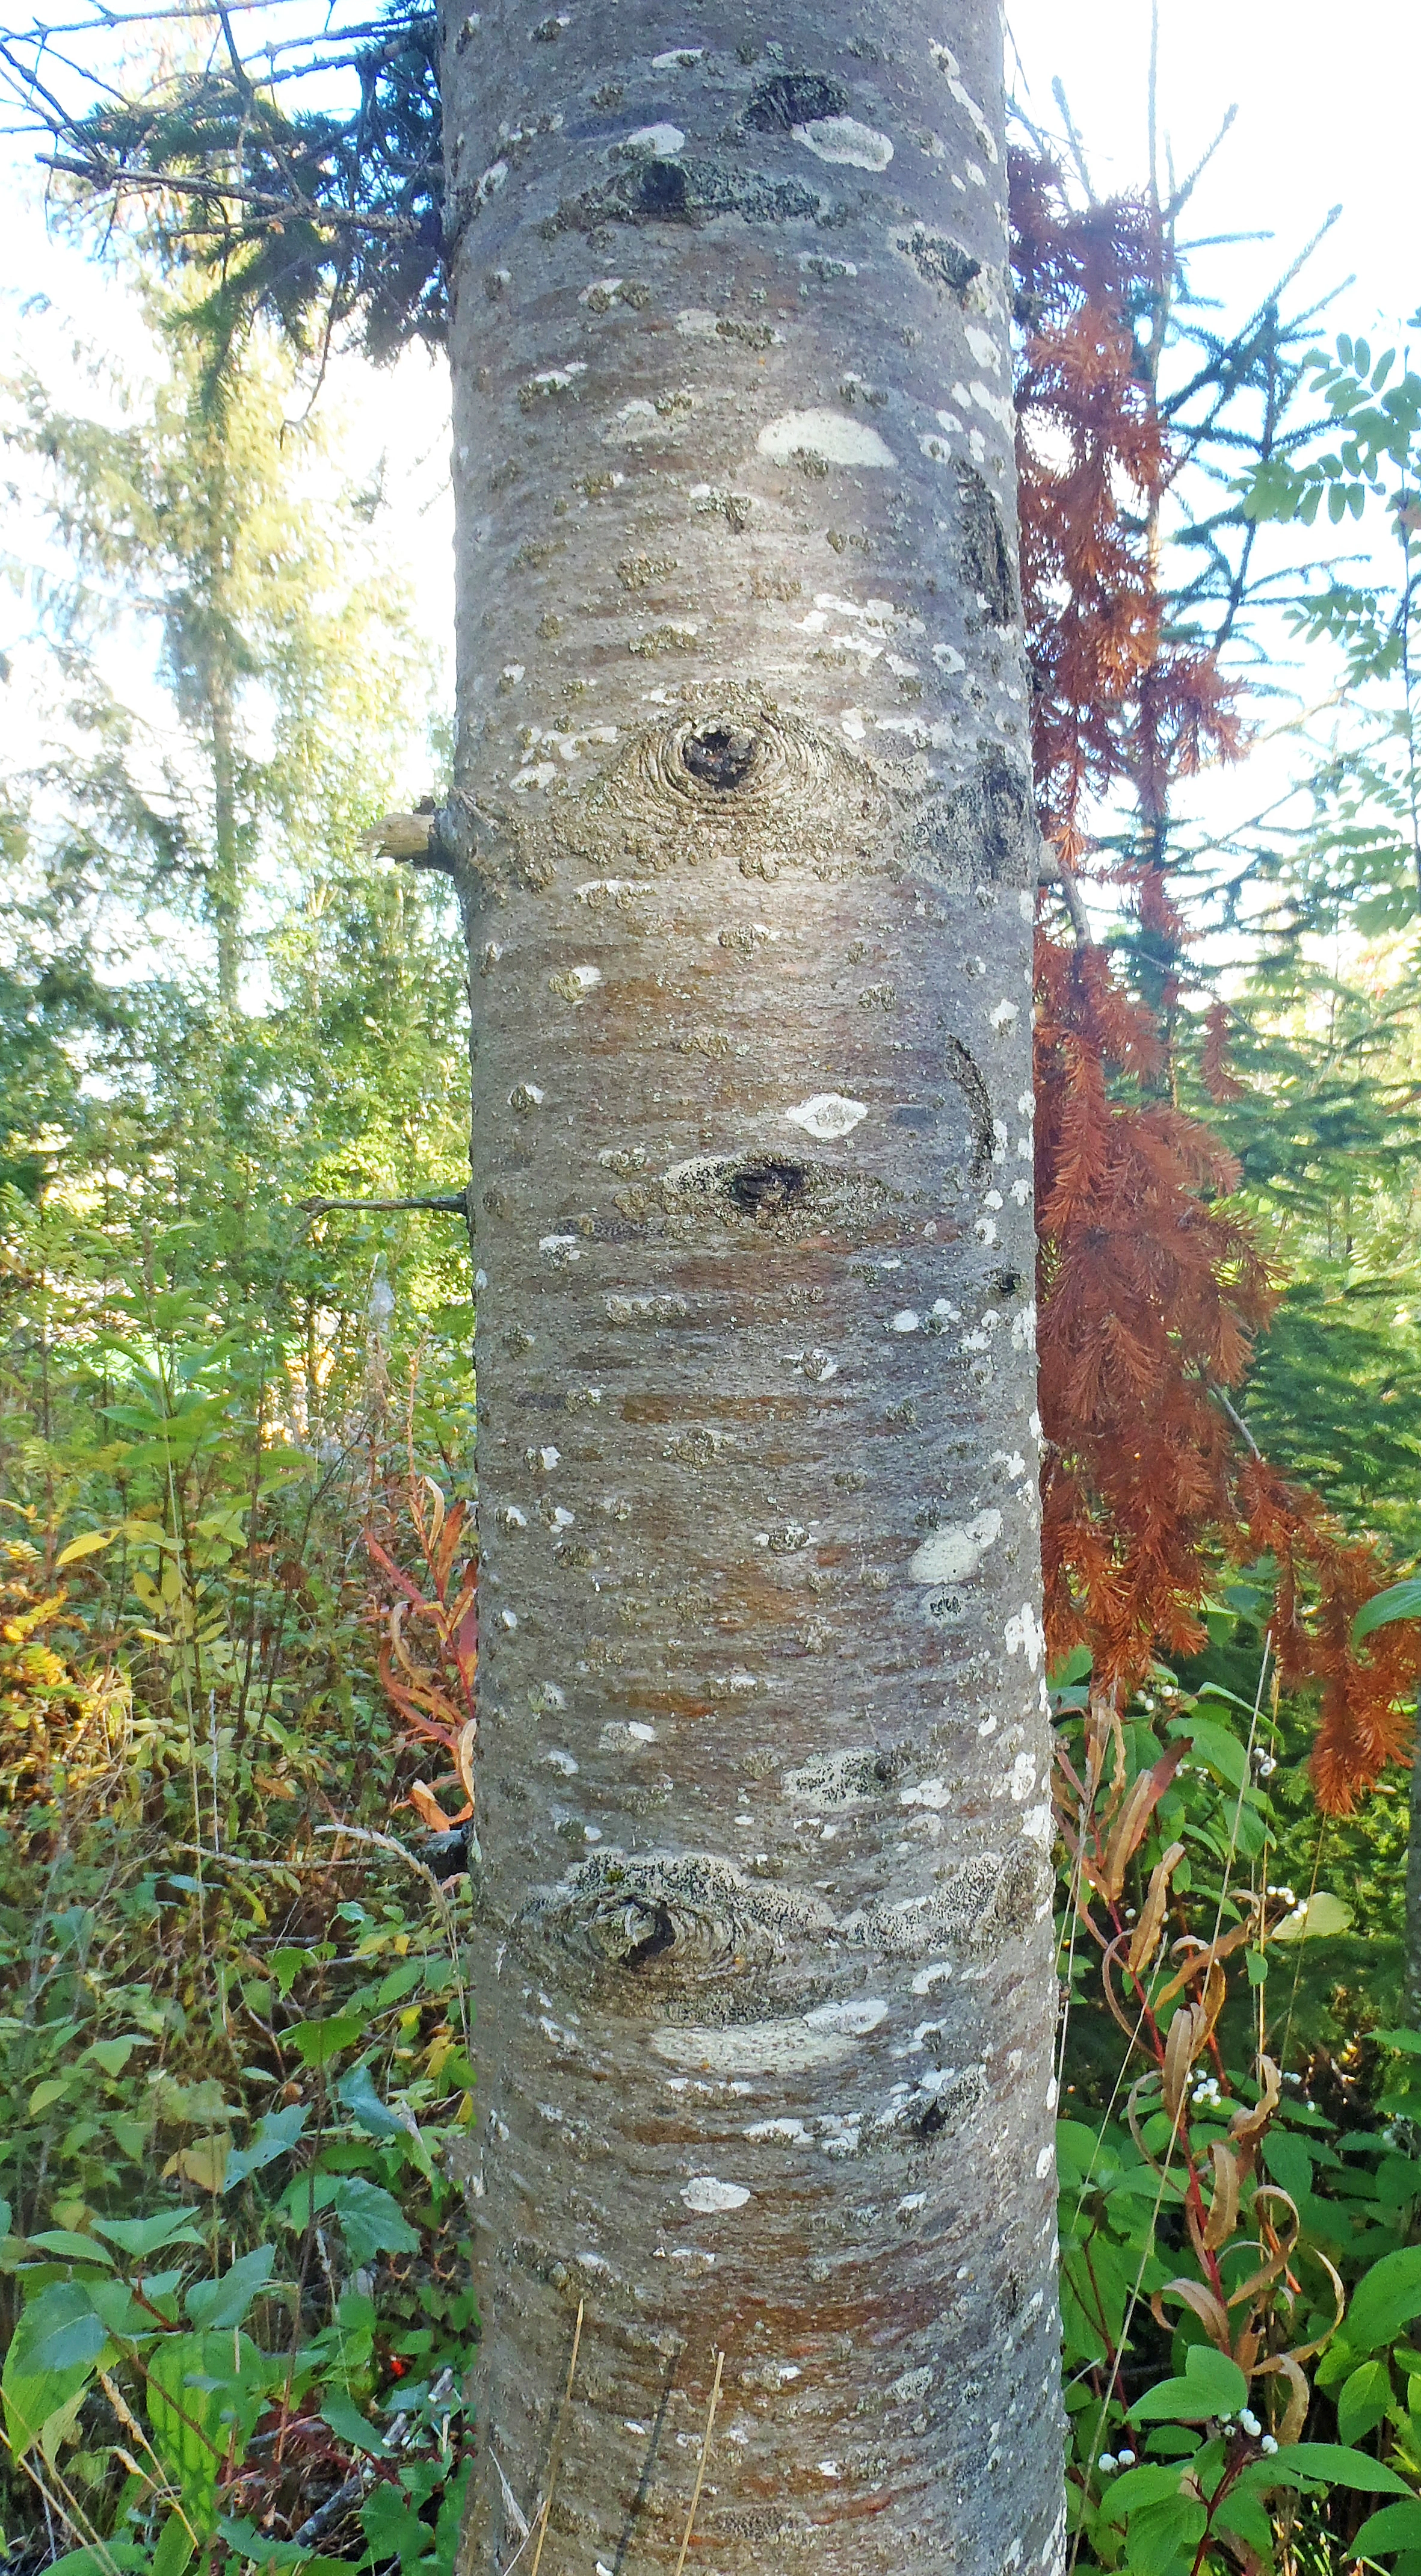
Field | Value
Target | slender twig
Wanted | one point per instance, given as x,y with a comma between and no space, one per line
701,2463
452,1202
215,191
1236,1418
555,2455
1054,871
1058,92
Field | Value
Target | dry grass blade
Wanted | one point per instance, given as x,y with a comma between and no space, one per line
1151,1922
1200,1953
1223,2208
1107,1876
556,2453
1283,2365
1246,2127
701,2463
1211,2313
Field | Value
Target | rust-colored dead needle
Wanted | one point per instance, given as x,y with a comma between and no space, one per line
701,2464
556,2453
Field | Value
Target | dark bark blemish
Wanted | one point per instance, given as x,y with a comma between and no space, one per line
720,755
684,1918
941,262
663,189
984,834
945,2106
764,1186
788,99
962,1068
986,557
840,1779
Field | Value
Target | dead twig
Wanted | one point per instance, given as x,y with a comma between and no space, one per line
701,2463
555,2454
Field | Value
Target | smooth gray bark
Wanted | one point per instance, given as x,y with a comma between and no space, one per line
744,824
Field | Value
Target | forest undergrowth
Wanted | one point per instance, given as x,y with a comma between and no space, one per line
239,2083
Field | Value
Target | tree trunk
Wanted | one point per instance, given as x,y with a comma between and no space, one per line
1411,1959
744,826
226,881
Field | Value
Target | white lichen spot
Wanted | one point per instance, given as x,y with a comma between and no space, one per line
935,1974
1023,1634
1021,1779
791,2046
935,1794
524,1097
636,419
1044,2163
707,2195
1004,1015
599,890
540,773
554,380
575,983
947,63
936,444
911,2387
827,1116
905,1321
831,435
993,1199
851,724
997,406
560,1249
560,1761
679,59
948,658
844,140
984,348
508,1619
694,322
649,143
1036,1825
628,1734
790,2133
855,2018
951,1555
945,1312
1023,1327
985,1229
491,181
510,675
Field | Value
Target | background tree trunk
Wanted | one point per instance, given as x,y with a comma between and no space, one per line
745,830
1411,1960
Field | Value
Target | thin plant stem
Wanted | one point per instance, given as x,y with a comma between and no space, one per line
555,2455
701,2463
